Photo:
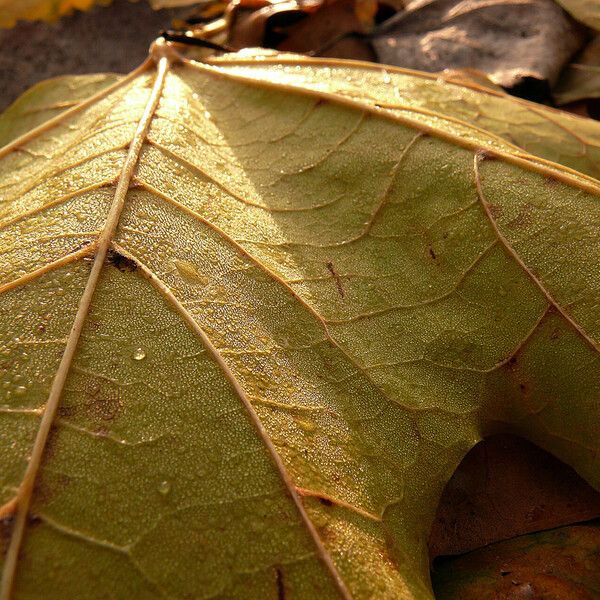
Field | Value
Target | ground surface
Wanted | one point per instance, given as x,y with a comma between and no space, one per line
114,38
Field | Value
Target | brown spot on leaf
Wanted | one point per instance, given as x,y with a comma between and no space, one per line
49,485
123,263
66,411
34,520
325,501
280,584
336,278
6,529
327,534
484,154
80,246
104,406
523,219
94,325
432,253
495,210
100,404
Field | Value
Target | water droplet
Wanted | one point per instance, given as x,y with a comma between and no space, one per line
20,390
164,487
306,426
139,354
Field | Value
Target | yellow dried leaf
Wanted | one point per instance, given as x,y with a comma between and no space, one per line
251,321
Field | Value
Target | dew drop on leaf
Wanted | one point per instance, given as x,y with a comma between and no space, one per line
139,354
164,487
306,426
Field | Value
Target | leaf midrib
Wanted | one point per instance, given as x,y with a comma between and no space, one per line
20,504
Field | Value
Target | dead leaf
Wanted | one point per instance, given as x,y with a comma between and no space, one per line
506,487
561,564
191,406
160,4
330,22
255,26
12,11
581,79
498,37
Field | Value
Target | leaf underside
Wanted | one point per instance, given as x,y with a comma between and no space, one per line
302,312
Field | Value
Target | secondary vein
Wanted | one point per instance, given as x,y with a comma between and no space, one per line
513,253
241,394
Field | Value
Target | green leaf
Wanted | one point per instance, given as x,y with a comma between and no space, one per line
555,135
251,325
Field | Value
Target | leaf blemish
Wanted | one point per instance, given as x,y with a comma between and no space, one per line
123,263
280,584
6,528
80,246
34,520
336,278
484,154
495,210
